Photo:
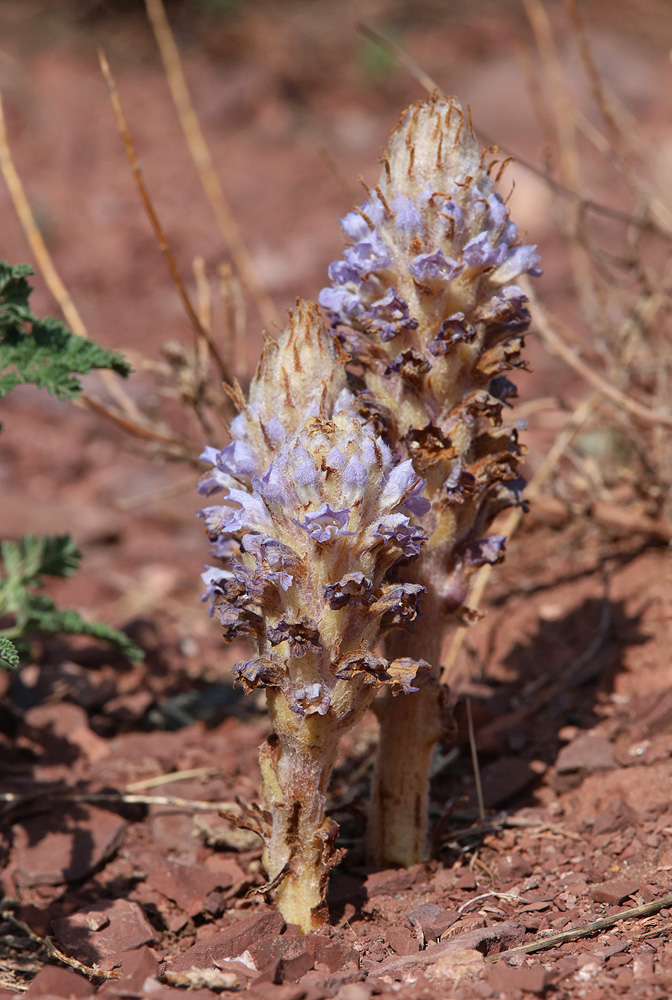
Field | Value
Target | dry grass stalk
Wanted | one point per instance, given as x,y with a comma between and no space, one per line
202,158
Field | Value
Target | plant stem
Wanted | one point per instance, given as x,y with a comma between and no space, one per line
299,852
410,727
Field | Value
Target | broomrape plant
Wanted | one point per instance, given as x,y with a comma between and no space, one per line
424,301
349,502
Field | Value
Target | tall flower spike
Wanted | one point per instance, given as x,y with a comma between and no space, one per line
425,300
317,517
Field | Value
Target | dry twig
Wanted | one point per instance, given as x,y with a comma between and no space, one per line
202,158
93,971
603,924
130,419
199,330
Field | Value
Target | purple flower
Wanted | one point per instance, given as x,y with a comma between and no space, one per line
354,588
520,260
407,216
355,226
433,266
487,550
409,364
236,460
388,316
396,529
454,330
403,484
325,523
213,577
313,699
342,301
460,484
498,213
479,252
453,212
240,511
503,388
371,254
272,557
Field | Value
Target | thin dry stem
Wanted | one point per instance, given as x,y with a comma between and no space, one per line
402,57
161,239
93,971
233,304
549,330
47,268
130,419
202,158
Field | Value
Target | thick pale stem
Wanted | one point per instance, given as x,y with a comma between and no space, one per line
299,851
410,727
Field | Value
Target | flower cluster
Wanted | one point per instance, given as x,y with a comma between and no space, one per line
425,301
364,470
315,514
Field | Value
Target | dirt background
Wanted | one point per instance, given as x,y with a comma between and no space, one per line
568,675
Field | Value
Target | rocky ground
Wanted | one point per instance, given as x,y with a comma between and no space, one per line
568,675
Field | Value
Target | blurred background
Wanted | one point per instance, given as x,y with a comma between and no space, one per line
295,104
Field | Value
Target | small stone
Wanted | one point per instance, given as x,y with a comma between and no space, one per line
586,753
432,920
239,937
125,927
616,815
388,882
615,891
402,941
466,881
506,980
513,866
456,967
54,981
65,845
136,967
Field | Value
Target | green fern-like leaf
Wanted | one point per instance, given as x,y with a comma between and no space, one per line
43,352
24,563
9,655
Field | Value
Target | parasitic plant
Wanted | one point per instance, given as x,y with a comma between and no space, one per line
316,512
425,301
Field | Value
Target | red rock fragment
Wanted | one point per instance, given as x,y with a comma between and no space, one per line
55,981
104,930
513,866
616,815
466,881
136,967
230,942
432,920
189,885
388,882
505,979
292,956
402,941
615,891
655,714
586,753
65,845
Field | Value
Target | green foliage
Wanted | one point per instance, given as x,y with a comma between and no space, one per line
43,352
23,564
9,654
